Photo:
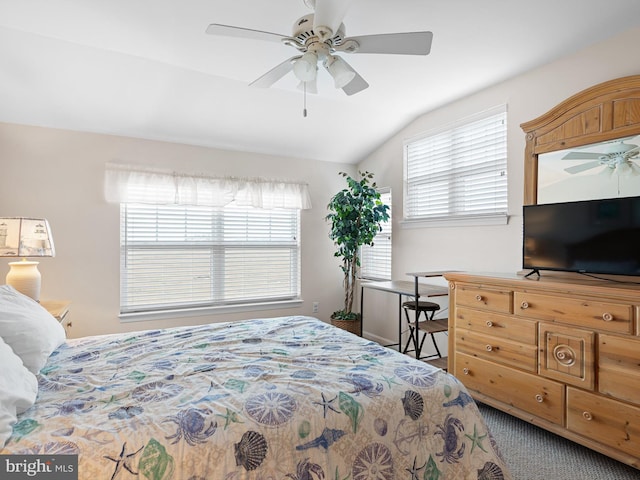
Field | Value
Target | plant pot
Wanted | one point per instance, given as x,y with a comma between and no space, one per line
352,326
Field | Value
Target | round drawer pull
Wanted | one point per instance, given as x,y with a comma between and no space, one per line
479,298
524,305
489,348
587,416
539,398
607,317
489,323
465,371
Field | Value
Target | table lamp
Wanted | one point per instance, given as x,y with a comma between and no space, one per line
25,237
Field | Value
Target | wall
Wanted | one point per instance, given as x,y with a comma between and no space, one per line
59,174
488,248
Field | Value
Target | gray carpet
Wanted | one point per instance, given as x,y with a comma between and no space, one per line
535,454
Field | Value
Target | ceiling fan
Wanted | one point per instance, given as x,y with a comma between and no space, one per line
617,157
318,37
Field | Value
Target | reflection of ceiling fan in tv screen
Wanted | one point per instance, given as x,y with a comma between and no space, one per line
617,157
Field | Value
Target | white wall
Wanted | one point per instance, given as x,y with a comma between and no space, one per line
59,174
489,248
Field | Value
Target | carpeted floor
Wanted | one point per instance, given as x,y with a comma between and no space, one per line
535,454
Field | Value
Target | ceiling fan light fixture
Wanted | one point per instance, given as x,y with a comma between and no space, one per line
339,70
310,87
607,171
305,67
624,169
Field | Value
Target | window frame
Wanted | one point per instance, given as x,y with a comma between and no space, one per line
450,218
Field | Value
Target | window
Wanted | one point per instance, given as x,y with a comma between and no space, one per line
459,172
193,241
375,260
177,256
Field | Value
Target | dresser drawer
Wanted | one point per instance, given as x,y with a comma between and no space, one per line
538,396
604,420
506,352
619,367
567,354
497,325
491,299
608,316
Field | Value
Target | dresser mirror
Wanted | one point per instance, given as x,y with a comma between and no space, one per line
599,170
584,129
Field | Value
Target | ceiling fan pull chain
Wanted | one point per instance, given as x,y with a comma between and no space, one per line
304,101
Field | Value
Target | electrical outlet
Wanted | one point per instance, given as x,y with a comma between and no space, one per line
315,307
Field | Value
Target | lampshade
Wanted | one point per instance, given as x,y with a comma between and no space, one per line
25,237
305,67
339,70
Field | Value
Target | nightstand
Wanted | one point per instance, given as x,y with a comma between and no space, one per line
58,308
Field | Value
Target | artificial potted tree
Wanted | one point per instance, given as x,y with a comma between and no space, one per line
356,216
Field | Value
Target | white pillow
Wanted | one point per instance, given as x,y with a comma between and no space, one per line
31,331
18,389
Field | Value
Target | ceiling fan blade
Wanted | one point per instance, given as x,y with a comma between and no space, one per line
633,152
410,43
275,74
329,13
582,167
239,32
583,156
356,85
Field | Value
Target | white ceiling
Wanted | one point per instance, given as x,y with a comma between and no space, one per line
146,68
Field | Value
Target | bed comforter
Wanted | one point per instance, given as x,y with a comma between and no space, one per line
282,398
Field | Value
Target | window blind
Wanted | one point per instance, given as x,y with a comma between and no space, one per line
175,256
375,260
458,172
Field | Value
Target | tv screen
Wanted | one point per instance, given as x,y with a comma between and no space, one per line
593,236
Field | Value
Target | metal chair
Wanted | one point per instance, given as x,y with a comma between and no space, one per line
429,326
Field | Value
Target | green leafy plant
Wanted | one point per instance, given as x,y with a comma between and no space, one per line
356,216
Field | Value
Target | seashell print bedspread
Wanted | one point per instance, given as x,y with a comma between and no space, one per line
283,398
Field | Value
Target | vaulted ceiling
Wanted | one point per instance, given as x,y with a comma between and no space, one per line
146,68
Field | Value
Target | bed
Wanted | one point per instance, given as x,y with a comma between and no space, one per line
279,398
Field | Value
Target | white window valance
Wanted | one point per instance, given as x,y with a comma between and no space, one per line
140,184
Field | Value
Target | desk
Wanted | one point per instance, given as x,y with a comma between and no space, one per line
417,275
402,288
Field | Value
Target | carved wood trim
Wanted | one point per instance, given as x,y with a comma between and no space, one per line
600,113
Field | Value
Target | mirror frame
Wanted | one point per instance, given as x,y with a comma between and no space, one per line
604,112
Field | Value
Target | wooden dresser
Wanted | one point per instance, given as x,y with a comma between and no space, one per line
560,352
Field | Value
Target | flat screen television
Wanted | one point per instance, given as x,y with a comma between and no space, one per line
592,236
